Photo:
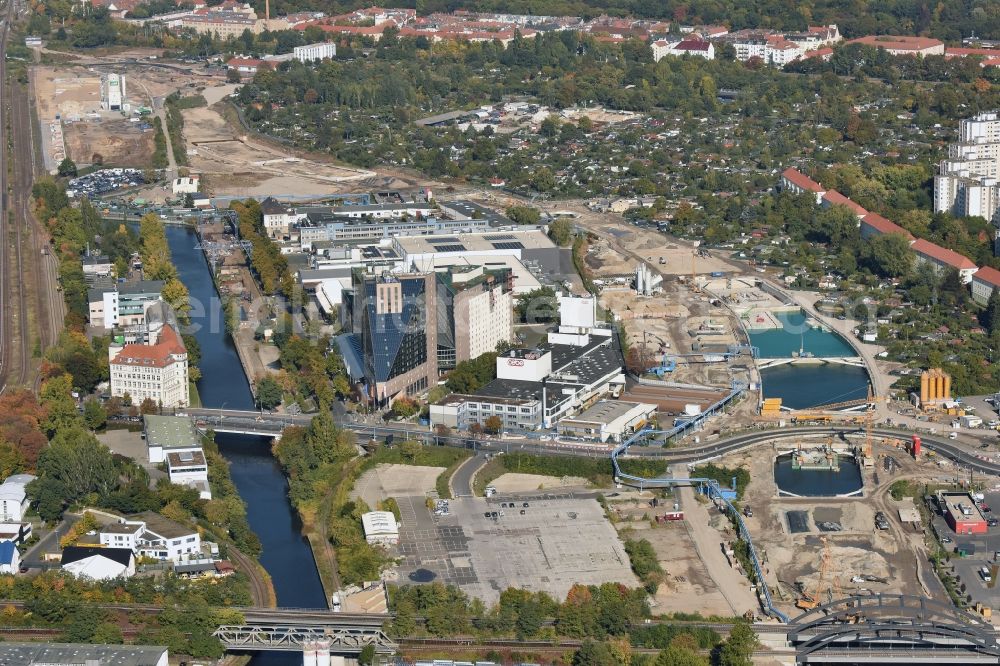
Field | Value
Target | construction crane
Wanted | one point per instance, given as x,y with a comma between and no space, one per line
867,457
809,601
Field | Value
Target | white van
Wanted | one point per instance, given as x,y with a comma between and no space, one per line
985,573
952,435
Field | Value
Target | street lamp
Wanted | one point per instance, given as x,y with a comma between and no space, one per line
221,415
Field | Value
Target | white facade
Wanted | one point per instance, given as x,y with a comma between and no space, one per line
14,498
112,91
189,468
380,528
984,282
122,535
318,51
156,537
188,185
968,182
578,312
385,211
984,127
529,365
490,320
10,558
158,372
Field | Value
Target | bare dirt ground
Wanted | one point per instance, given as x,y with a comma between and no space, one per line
119,142
651,245
512,482
688,587
237,164
794,559
73,94
395,481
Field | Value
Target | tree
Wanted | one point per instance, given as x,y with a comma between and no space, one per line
67,168
538,307
524,214
57,398
269,393
493,424
676,655
542,180
149,406
233,76
592,653
991,315
739,647
561,232
11,460
888,255
405,407
94,414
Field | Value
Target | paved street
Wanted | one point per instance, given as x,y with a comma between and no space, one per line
461,480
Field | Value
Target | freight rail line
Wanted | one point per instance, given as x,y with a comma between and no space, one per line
15,369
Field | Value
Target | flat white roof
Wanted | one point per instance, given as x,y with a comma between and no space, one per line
379,523
489,241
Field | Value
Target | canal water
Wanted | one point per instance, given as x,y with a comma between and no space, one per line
805,386
797,334
817,482
286,554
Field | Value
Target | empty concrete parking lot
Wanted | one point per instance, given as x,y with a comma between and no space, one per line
553,545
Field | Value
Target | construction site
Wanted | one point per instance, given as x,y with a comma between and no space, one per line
237,163
76,123
821,546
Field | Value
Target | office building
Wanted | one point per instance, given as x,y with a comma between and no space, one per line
122,305
578,364
151,535
157,371
392,317
475,313
278,217
313,52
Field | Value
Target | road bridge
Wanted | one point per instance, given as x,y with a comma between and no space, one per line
855,361
642,444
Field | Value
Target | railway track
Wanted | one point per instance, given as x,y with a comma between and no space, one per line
28,280
16,366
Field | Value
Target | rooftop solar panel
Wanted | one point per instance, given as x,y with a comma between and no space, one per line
509,245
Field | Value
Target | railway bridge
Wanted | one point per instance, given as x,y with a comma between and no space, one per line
292,630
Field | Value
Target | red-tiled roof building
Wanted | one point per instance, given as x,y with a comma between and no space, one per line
928,252
156,371
835,198
874,224
984,282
